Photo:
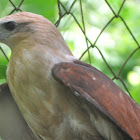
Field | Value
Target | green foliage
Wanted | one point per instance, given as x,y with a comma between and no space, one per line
47,8
3,71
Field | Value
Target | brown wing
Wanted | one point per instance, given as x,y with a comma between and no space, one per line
101,92
12,124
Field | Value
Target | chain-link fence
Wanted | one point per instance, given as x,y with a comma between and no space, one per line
64,11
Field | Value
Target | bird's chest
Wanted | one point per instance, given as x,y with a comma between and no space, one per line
30,88
45,105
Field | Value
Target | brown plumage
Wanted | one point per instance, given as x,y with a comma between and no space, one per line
51,110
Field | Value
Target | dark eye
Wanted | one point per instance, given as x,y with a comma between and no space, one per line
10,25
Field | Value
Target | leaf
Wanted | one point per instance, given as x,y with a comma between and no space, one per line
3,71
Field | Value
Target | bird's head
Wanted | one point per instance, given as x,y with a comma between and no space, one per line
17,27
28,29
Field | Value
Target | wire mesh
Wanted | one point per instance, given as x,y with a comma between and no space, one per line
63,11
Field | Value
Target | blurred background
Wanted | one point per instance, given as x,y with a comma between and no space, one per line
103,33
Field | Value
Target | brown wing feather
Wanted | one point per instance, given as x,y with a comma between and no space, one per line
12,124
102,92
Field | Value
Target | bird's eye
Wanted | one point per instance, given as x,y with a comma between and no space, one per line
10,25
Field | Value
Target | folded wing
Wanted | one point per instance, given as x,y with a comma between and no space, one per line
103,94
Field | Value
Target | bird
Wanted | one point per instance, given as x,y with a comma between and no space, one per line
60,97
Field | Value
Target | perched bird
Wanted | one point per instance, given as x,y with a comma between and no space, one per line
60,97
